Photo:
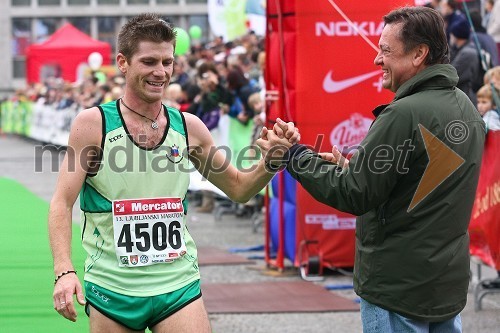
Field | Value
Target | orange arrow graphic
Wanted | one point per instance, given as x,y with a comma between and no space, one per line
443,162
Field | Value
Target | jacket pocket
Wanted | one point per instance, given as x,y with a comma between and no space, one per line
382,214
383,221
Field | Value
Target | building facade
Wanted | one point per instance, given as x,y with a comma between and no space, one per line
24,22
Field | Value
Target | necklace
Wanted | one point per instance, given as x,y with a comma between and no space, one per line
154,123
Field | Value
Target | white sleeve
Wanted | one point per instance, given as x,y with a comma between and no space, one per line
494,23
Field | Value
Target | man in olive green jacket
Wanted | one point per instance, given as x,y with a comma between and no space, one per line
412,183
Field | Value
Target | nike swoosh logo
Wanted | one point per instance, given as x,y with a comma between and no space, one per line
332,86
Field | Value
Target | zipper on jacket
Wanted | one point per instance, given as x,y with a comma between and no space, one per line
381,213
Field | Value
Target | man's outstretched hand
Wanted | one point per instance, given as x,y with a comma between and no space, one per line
335,157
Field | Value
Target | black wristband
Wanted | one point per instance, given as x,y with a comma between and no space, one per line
62,274
272,168
296,151
283,163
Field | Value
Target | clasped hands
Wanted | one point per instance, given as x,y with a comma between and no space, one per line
275,143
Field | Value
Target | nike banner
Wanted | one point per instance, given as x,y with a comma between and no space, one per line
320,61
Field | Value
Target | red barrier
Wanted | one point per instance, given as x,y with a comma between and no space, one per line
322,69
484,228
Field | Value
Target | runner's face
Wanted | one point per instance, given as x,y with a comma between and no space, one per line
395,63
150,69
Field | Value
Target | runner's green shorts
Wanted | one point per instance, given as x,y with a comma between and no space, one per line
138,313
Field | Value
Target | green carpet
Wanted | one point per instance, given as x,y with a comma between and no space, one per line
26,276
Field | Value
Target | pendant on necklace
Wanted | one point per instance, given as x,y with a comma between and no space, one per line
154,125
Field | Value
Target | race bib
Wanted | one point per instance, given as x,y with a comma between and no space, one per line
148,231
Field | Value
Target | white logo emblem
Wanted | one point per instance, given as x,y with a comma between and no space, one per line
332,86
332,221
351,131
119,207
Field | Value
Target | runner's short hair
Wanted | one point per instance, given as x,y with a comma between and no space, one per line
144,27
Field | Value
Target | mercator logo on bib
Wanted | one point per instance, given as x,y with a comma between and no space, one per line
151,230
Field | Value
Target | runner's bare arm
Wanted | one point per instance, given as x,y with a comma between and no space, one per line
239,186
85,136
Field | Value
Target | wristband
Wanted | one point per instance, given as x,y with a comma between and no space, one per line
271,168
62,274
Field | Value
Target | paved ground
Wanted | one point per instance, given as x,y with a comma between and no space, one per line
19,160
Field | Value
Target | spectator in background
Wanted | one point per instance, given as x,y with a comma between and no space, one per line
494,77
487,52
254,71
487,108
180,71
116,92
103,94
207,106
67,100
451,14
464,57
172,95
488,7
486,41
242,88
220,62
489,111
434,4
189,93
494,25
256,104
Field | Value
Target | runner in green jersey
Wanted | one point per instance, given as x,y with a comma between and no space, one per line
128,160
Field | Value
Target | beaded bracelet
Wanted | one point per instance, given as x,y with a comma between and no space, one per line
62,274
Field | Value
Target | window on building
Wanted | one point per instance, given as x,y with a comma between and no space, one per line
81,23
108,2
107,30
49,2
16,3
21,39
78,2
174,20
138,2
21,36
19,68
196,1
164,2
44,27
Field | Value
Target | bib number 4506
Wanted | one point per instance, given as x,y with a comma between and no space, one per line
160,238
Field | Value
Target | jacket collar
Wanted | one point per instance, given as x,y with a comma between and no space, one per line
379,109
442,76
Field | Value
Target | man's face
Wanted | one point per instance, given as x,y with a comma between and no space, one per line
149,70
395,63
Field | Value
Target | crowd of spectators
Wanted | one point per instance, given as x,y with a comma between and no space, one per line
474,41
221,78
211,80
